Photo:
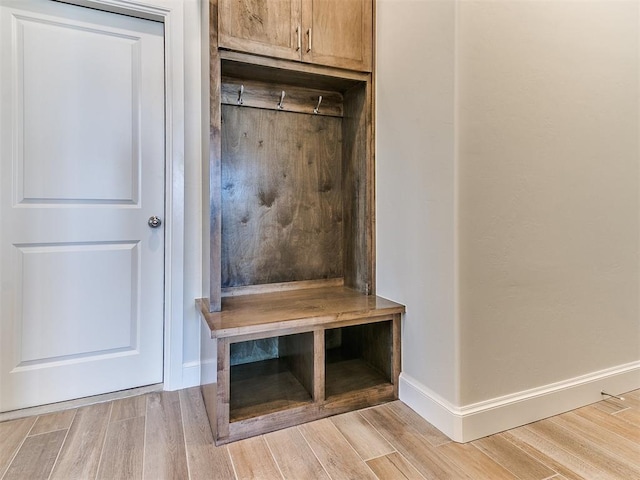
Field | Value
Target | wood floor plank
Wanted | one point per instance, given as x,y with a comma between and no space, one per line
513,459
53,421
293,455
203,457
122,455
337,457
12,434
362,436
164,449
611,405
588,451
630,415
613,423
412,445
591,443
252,460
80,454
434,436
36,457
572,462
476,463
395,466
543,458
129,407
608,440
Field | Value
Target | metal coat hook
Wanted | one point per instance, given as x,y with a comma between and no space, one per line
317,109
240,94
281,102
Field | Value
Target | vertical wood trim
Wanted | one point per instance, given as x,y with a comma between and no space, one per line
318,365
214,166
358,184
396,354
371,181
223,393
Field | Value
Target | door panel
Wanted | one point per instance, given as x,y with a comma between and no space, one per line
67,281
81,171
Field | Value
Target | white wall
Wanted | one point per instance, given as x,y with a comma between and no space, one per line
548,171
416,183
528,208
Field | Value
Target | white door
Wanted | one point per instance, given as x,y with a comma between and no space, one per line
81,173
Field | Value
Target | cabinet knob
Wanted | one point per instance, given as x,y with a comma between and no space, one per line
309,46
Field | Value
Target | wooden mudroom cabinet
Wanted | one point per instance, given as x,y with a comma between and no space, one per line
291,311
336,33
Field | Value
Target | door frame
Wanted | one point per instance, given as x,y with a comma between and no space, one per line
171,13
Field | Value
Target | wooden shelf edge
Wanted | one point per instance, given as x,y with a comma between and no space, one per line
294,311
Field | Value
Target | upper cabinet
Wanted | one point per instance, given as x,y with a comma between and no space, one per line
336,33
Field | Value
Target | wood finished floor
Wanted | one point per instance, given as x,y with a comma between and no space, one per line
165,435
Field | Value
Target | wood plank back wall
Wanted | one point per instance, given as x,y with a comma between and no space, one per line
282,204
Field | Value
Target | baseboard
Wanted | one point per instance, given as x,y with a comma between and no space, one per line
464,424
190,374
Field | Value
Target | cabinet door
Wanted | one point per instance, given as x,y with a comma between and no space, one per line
338,33
263,27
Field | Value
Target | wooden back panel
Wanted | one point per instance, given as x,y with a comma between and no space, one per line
282,200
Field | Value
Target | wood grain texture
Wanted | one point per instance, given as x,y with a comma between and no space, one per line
123,450
281,197
12,434
357,183
434,436
587,450
80,454
293,455
270,70
512,458
203,457
365,439
267,312
413,446
560,456
350,376
211,188
475,463
394,466
53,421
342,33
610,422
298,353
260,27
252,459
611,442
264,387
538,454
334,452
164,453
131,407
265,95
36,457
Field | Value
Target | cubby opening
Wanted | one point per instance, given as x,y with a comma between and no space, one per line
358,357
269,375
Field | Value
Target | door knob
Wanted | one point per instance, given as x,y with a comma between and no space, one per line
154,222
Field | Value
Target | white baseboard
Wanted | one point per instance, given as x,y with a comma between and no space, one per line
190,374
464,424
